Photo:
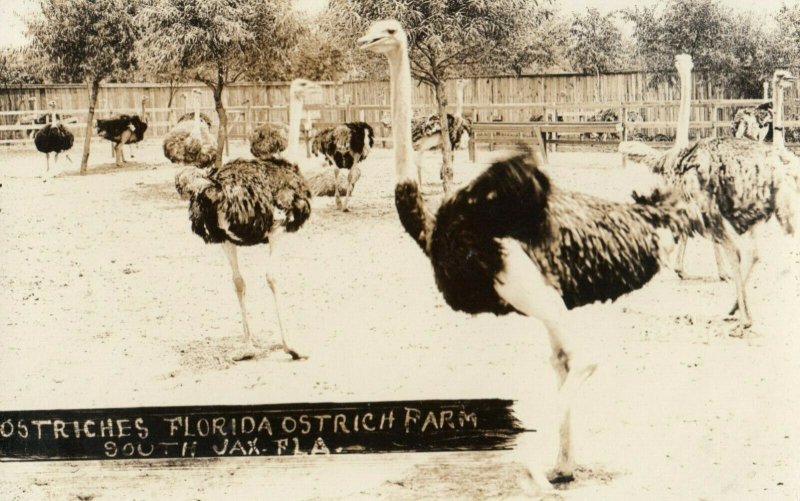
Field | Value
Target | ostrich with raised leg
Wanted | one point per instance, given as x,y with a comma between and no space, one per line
123,129
510,241
248,202
738,183
53,137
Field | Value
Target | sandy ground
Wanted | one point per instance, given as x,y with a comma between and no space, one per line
109,300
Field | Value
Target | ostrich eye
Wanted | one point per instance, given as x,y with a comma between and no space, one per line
391,32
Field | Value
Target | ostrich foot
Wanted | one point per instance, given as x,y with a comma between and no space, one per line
246,352
680,274
346,209
724,277
733,309
740,330
339,204
560,476
294,354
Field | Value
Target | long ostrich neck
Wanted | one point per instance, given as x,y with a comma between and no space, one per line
53,115
685,110
143,117
777,114
196,107
295,115
400,72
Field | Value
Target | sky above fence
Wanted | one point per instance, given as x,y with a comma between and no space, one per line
12,27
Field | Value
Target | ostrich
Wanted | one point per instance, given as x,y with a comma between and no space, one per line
510,241
248,202
53,137
344,147
191,142
123,129
738,183
754,123
664,163
426,132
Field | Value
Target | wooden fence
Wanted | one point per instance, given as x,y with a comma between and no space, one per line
572,98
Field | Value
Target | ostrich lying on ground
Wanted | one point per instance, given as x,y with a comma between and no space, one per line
191,142
249,202
754,123
344,147
738,183
510,241
53,137
123,129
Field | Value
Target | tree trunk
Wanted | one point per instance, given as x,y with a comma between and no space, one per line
223,122
447,151
94,88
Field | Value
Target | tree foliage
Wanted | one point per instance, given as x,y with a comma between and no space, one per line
85,41
731,50
596,44
220,41
447,39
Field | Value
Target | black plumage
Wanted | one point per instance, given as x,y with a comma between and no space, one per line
344,147
53,139
587,248
345,144
115,128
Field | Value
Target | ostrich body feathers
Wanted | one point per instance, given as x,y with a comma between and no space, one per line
268,140
342,143
113,128
431,126
587,248
238,202
191,143
53,139
754,123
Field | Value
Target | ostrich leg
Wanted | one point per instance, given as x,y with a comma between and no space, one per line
747,267
336,186
524,287
352,177
732,249
248,350
273,286
681,255
48,162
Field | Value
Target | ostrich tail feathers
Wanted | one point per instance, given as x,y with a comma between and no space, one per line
299,212
667,209
640,152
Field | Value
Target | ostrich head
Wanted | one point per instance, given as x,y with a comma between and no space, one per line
383,36
300,88
783,79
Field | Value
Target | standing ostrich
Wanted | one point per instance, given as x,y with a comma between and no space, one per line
664,163
738,183
754,123
426,132
53,137
510,241
123,129
249,202
344,147
191,142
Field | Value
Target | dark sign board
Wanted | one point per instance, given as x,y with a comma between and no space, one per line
257,430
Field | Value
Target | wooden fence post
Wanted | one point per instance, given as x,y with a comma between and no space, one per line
248,120
714,117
